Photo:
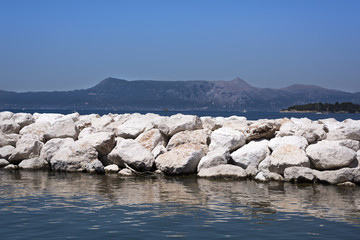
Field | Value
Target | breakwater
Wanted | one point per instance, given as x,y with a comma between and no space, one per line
296,149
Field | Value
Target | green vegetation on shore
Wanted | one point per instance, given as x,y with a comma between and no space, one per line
345,107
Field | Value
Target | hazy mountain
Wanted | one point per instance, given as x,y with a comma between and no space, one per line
117,94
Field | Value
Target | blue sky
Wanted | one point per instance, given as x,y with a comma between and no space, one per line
64,45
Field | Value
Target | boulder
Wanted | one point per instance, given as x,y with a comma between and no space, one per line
38,128
8,139
126,172
113,168
27,147
327,155
132,153
51,147
86,120
352,144
135,125
262,129
348,129
152,138
226,138
177,123
234,122
3,163
299,174
251,154
223,171
6,115
182,159
6,151
209,123
251,171
23,119
287,156
158,150
264,164
48,118
34,163
87,131
102,122
200,137
103,142
265,176
298,141
335,176
11,167
214,158
356,174
63,129
9,127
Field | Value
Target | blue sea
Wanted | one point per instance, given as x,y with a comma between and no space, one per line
52,205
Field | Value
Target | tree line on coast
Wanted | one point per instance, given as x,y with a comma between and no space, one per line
344,107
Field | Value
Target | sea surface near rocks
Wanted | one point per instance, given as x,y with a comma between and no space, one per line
52,205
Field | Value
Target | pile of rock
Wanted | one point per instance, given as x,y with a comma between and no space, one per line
281,149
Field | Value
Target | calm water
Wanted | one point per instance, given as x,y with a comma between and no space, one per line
46,205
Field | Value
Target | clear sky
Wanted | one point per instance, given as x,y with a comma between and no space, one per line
65,45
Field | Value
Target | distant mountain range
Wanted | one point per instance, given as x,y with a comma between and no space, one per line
118,94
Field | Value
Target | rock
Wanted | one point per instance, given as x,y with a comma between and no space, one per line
200,137
158,151
76,157
347,184
251,154
298,141
265,176
3,163
23,119
264,164
177,123
27,147
63,129
356,174
299,174
287,156
132,153
87,119
38,128
335,176
150,139
251,171
102,122
52,146
11,167
182,159
348,129
47,118
6,151
34,163
223,171
352,144
234,122
6,115
9,127
87,131
126,172
214,158
8,139
103,142
113,168
226,138
209,123
262,129
327,155
135,125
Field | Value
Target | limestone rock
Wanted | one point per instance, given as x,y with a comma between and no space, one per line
264,164
113,168
199,136
262,129
27,147
298,141
3,163
227,138
356,174
126,172
34,163
23,119
38,128
223,171
6,151
63,129
103,142
251,171
335,176
287,156
352,144
330,155
182,159
52,146
158,150
348,129
265,176
177,123
299,174
48,118
214,158
209,123
86,120
102,122
9,127
152,138
135,125
251,154
132,153
11,167
6,115
87,131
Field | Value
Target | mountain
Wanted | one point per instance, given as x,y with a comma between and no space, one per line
118,94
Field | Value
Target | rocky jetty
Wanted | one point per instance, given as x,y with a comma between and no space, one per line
297,150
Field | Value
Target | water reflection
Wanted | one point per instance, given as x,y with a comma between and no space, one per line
174,196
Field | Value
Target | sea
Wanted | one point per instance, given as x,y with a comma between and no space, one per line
58,205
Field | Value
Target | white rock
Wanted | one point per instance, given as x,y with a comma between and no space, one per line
182,159
352,144
298,141
87,131
3,163
223,171
125,172
330,155
264,164
6,115
200,137
299,174
335,176
38,128
103,142
158,150
262,129
210,123
6,151
48,118
152,138
214,158
11,167
177,123
73,116
226,138
23,119
102,122
132,153
135,125
348,129
251,171
34,163
9,127
251,154
8,139
63,129
86,120
265,176
52,146
27,147
113,168
234,122
287,156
